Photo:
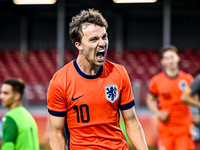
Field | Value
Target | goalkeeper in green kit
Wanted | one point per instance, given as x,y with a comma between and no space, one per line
19,129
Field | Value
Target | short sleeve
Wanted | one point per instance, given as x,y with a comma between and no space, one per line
127,98
9,133
195,86
152,87
56,99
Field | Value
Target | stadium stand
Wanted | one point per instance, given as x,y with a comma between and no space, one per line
36,68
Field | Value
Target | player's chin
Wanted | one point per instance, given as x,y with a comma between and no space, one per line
100,63
173,67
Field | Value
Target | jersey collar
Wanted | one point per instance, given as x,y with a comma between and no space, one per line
85,75
171,77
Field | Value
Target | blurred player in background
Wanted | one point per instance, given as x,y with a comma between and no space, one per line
89,91
174,115
192,97
192,94
19,128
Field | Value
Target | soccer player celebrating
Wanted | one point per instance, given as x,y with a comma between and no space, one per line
19,128
87,93
174,115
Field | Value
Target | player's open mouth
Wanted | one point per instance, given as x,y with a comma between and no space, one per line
100,55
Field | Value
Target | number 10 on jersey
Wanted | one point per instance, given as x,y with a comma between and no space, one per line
80,113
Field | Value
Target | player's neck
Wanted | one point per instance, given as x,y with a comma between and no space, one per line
86,67
15,104
171,73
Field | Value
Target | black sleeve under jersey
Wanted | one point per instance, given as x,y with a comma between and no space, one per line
195,86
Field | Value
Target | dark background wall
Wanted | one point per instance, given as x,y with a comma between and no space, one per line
142,23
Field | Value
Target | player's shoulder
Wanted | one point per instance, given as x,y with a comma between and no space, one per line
112,65
185,75
158,76
197,77
10,113
15,112
115,69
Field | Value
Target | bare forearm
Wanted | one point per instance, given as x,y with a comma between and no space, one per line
193,102
151,102
187,98
57,142
134,129
153,107
136,136
56,138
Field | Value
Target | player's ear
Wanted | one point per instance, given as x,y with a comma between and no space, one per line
17,96
178,58
79,46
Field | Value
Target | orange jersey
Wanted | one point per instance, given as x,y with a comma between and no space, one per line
168,91
91,105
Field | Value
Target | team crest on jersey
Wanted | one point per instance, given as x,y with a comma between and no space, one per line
111,92
182,85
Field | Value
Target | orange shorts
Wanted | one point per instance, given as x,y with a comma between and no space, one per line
169,141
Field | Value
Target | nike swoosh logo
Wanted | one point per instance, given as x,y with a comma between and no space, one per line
73,99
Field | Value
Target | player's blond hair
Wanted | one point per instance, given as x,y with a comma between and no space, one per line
91,16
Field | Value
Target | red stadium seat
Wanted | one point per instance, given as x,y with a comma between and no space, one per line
38,67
